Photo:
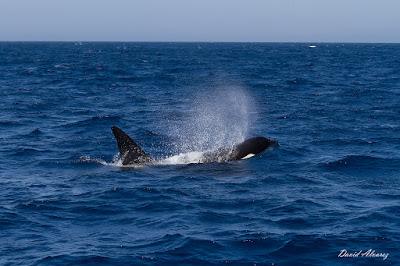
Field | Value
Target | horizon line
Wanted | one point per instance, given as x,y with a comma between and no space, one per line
181,41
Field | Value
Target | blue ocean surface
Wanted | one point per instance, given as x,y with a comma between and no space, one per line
333,183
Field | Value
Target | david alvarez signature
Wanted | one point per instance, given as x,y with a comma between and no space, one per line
370,253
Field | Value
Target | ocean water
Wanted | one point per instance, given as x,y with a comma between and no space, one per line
332,184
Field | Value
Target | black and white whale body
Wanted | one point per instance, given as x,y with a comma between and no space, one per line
131,153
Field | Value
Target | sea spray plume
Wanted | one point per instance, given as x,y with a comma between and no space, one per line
217,118
213,131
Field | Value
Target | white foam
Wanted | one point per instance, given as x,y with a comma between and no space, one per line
115,162
179,159
88,159
183,158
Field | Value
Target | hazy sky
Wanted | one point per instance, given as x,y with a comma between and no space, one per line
201,20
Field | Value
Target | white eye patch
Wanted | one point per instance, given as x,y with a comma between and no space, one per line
248,156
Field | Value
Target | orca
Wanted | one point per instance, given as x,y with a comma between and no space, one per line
131,153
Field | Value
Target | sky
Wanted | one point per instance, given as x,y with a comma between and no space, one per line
201,20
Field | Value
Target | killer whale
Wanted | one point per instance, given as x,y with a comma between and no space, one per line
129,150
131,153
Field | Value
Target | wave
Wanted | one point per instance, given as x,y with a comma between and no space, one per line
362,162
94,120
297,81
180,159
300,205
32,134
9,123
27,151
52,205
115,162
35,132
67,259
10,219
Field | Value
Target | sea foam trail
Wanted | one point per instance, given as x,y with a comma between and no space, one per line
116,162
179,159
182,158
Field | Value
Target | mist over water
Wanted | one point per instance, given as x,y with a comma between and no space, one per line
219,117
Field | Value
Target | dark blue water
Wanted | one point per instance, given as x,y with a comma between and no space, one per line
332,184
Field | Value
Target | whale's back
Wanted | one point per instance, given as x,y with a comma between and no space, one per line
129,150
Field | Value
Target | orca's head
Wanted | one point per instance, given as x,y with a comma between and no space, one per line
254,146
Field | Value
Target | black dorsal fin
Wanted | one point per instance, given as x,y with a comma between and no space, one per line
129,151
